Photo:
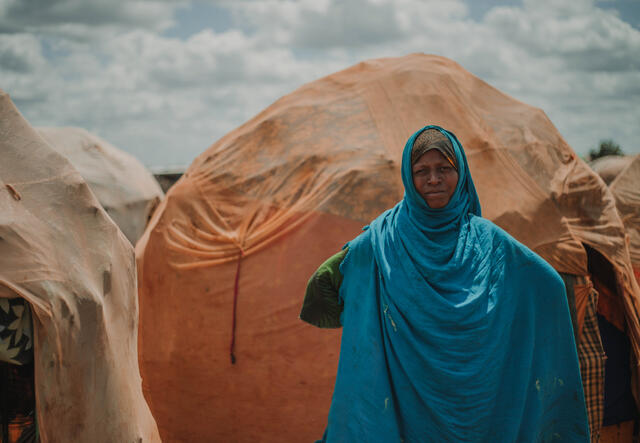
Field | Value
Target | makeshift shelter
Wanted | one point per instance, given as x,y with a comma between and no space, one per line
224,262
626,191
609,166
61,253
124,187
622,174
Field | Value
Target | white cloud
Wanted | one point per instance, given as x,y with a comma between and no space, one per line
21,53
581,65
352,24
167,99
589,39
51,15
162,99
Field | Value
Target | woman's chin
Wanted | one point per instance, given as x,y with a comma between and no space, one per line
436,202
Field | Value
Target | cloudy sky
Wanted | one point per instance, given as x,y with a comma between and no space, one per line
164,79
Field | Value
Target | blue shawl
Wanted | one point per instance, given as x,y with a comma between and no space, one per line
452,330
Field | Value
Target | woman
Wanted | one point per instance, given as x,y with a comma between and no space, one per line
452,330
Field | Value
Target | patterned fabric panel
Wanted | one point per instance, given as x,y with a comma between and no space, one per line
16,338
591,357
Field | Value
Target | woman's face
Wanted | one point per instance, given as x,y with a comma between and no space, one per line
435,178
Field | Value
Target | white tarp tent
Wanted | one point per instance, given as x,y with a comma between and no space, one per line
61,253
123,186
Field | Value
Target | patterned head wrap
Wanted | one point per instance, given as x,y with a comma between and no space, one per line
433,139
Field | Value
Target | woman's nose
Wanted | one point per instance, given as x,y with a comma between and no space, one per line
433,178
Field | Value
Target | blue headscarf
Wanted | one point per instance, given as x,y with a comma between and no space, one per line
452,330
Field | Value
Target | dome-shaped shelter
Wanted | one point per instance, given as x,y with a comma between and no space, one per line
225,260
124,187
609,166
61,253
626,191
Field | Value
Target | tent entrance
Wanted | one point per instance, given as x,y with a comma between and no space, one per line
619,404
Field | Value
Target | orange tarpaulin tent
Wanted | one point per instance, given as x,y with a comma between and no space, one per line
224,262
61,252
123,186
622,174
626,191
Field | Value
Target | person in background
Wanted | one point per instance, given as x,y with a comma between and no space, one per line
452,329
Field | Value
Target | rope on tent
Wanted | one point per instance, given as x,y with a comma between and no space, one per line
235,305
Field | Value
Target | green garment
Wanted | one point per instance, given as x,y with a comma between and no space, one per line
322,306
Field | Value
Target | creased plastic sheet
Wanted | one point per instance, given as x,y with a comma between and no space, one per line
123,186
268,202
63,254
609,166
626,191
